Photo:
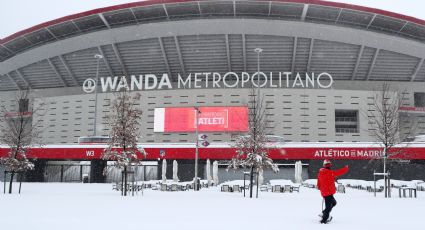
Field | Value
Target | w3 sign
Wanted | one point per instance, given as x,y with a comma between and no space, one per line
90,153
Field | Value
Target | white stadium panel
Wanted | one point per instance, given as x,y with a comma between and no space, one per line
159,120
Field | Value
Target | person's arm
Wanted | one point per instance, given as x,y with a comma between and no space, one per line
340,171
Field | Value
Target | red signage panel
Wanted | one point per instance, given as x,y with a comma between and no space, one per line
153,153
224,152
211,119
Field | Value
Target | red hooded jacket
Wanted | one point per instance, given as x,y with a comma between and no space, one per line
326,180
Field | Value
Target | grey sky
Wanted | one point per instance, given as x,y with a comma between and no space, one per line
17,15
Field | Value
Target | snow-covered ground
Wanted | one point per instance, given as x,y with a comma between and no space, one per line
95,206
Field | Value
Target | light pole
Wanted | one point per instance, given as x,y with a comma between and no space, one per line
98,57
258,51
255,118
195,183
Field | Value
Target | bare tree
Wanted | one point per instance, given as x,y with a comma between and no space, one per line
19,132
125,121
252,150
385,126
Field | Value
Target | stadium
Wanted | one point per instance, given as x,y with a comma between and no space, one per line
318,64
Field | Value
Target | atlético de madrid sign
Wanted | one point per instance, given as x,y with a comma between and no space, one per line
211,80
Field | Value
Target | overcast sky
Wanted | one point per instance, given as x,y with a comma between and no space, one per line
16,15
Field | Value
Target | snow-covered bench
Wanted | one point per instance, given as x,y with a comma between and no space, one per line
225,188
402,183
283,186
116,187
235,185
310,183
411,191
420,186
265,187
358,184
340,188
130,187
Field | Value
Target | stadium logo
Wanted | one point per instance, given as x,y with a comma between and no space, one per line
89,85
211,80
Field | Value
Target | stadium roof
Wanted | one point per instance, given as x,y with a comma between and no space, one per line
148,12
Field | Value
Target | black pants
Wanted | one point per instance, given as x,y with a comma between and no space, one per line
330,202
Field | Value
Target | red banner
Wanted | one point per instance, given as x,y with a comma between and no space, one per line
157,151
211,119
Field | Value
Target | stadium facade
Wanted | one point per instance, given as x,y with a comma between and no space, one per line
319,69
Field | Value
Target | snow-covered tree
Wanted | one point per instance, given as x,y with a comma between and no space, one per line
252,150
385,127
18,131
125,122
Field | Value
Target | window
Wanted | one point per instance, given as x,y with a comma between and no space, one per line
346,121
419,99
91,140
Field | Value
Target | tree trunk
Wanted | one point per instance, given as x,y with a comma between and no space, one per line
251,182
125,180
385,171
11,182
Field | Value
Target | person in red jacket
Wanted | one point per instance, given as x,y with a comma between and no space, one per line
326,185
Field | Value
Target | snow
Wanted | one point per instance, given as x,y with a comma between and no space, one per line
380,182
236,182
310,182
95,206
281,182
361,183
